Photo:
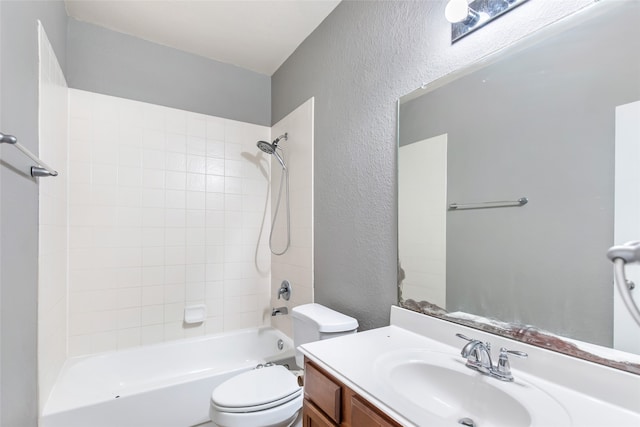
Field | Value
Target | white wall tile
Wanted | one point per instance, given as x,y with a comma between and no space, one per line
153,139
196,163
53,213
196,218
175,255
197,125
175,274
151,334
233,151
196,145
157,220
215,148
126,338
176,143
215,128
195,273
215,184
153,159
153,296
296,265
176,121
176,162
128,318
152,314
152,178
196,182
176,180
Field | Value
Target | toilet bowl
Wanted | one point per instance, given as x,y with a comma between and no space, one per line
266,397
270,396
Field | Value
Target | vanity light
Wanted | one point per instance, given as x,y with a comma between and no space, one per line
467,17
459,11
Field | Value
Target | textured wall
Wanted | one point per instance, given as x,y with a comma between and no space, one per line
356,64
112,63
19,192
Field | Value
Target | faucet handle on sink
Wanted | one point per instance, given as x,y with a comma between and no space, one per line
464,337
503,368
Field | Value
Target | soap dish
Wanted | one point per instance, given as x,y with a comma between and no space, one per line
195,313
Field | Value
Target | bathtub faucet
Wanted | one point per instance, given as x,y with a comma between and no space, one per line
279,311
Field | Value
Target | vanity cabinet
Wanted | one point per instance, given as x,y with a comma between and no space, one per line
330,403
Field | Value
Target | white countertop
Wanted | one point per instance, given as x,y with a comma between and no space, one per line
592,395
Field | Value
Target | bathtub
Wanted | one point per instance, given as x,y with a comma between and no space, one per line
167,384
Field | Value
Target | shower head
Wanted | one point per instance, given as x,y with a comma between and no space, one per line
266,147
270,148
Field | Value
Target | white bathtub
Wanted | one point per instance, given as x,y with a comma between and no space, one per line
166,384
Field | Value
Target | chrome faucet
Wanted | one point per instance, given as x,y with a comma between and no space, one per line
478,355
279,311
285,290
503,370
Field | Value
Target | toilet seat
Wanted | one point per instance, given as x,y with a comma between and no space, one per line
256,390
280,416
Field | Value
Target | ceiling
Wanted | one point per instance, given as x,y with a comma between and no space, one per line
258,35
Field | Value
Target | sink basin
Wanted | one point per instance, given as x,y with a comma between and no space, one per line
442,385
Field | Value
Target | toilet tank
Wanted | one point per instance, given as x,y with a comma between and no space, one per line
315,322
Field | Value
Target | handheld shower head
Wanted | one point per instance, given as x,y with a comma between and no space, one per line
266,147
270,148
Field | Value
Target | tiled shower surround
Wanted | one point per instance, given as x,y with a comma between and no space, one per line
296,265
52,246
167,208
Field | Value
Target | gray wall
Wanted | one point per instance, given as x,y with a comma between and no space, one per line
540,124
357,63
19,192
112,63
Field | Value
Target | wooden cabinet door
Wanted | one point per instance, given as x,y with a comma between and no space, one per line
313,417
363,415
324,391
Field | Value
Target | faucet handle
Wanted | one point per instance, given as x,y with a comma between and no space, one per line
285,290
503,368
504,351
466,338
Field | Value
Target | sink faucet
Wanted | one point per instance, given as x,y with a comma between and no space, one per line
478,355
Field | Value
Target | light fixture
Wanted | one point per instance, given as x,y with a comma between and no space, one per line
467,17
459,11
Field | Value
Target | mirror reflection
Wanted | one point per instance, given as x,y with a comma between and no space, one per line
543,120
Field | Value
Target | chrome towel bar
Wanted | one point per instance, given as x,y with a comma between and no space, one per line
36,171
484,205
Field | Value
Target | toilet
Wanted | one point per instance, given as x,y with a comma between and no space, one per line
269,396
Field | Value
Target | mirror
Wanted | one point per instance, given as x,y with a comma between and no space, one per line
506,185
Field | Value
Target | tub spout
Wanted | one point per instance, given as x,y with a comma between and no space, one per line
279,311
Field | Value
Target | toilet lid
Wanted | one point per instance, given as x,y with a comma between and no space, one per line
255,390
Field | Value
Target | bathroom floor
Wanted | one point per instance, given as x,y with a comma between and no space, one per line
297,423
